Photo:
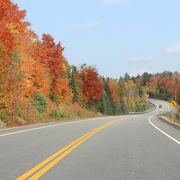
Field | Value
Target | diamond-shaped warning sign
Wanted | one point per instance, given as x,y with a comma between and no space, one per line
173,103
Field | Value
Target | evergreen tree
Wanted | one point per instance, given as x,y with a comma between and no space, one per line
145,78
73,84
127,77
111,106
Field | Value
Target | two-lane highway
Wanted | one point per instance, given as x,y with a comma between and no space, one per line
134,147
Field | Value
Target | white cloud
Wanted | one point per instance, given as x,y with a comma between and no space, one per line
173,49
117,1
139,58
89,25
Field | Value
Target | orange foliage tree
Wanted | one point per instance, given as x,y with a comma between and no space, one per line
13,29
115,90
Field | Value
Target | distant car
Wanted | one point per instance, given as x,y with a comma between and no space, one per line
160,106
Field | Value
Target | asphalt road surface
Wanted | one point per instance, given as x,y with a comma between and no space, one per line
133,147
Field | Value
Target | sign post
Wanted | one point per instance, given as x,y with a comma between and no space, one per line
173,104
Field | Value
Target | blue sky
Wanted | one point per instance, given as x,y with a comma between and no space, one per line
116,36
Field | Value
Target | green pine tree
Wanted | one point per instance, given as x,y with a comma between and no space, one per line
74,84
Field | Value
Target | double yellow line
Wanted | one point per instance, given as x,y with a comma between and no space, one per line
40,169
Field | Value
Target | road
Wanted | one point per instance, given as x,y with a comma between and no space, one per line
132,147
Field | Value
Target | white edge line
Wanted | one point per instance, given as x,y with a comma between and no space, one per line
59,124
170,137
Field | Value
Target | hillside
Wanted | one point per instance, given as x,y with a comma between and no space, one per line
37,84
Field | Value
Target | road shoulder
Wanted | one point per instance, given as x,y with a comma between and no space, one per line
168,121
165,128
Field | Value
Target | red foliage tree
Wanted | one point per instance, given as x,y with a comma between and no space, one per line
55,61
91,87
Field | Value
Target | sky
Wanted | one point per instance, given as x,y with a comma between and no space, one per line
115,36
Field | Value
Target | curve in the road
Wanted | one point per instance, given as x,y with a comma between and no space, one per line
167,135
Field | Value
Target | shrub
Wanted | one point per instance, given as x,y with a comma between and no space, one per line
79,114
53,97
178,113
57,114
20,111
4,116
40,102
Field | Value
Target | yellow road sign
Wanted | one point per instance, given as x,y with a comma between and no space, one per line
173,103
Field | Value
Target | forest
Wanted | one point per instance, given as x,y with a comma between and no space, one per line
37,84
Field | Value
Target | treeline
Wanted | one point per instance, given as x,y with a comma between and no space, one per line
165,86
37,84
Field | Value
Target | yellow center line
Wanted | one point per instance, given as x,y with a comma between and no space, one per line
58,156
40,165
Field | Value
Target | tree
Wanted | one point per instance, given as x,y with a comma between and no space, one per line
152,88
145,78
56,63
115,89
74,84
111,106
91,87
14,34
127,76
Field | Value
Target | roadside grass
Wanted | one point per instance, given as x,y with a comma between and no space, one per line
40,110
174,117
149,106
36,113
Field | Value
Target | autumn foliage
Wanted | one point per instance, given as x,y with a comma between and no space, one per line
37,84
91,84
